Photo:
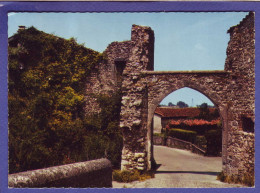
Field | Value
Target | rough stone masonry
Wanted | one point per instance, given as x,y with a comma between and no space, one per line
130,67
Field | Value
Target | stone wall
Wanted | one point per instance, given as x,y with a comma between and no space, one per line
122,71
135,100
107,77
241,157
157,140
157,124
89,174
177,143
180,144
240,63
210,83
231,90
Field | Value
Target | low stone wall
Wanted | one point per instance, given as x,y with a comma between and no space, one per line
157,140
89,174
177,143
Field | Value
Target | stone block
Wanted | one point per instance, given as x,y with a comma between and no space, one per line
139,155
137,122
140,168
140,88
125,162
137,102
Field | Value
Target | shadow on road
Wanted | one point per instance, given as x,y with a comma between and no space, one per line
187,172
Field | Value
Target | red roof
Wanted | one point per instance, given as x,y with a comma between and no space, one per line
169,112
193,122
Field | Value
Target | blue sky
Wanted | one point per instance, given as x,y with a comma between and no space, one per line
183,40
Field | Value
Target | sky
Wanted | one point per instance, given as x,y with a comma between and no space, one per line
183,40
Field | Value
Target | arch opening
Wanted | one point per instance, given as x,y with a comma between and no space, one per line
184,122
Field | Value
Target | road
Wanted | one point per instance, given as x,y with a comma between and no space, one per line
181,169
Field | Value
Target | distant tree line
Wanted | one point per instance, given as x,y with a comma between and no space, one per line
181,104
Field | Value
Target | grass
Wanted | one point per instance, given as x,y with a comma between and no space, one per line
247,179
130,176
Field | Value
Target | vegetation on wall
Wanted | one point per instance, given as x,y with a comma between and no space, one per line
47,123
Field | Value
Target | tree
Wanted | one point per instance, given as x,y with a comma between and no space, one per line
206,114
204,105
170,104
182,104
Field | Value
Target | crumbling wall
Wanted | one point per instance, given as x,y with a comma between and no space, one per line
240,63
106,79
135,99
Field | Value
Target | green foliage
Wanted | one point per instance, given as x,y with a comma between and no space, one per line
182,134
170,104
247,179
105,126
130,176
201,141
182,104
221,176
47,124
206,114
125,175
214,142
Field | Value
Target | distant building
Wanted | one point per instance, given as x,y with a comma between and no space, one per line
163,115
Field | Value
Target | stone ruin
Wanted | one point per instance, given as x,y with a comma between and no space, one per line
130,65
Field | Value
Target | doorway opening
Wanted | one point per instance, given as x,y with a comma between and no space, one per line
187,129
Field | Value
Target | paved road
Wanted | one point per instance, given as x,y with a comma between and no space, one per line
181,169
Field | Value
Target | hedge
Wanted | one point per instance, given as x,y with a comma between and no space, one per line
214,142
186,135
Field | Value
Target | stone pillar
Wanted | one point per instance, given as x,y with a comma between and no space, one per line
240,63
134,107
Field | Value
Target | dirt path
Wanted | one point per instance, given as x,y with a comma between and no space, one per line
181,169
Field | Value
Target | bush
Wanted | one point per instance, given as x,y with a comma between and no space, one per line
221,177
214,142
247,179
201,142
47,122
125,176
130,176
182,134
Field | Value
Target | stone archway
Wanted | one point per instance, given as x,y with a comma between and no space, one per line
156,101
232,90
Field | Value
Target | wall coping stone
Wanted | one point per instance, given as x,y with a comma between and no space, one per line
80,174
188,143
